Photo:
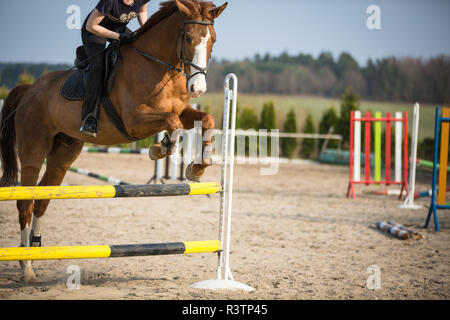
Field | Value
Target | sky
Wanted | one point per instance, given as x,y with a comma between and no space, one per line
36,30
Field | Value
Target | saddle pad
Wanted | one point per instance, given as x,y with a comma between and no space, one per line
73,88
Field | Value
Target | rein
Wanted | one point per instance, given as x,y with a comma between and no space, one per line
183,61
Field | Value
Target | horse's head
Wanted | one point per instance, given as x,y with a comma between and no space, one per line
195,44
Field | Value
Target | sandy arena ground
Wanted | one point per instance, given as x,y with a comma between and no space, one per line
294,236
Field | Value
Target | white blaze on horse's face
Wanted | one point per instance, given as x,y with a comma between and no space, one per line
197,84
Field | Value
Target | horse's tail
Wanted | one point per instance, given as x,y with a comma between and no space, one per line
8,136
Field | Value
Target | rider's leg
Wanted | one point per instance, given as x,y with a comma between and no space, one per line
93,45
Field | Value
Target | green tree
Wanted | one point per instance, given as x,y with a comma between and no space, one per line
268,122
207,109
25,78
329,119
147,142
346,63
326,59
268,116
45,71
248,119
425,149
349,102
308,145
3,92
288,145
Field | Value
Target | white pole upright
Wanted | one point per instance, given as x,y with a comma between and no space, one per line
409,201
398,147
228,136
357,148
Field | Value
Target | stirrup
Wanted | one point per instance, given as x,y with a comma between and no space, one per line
87,132
91,133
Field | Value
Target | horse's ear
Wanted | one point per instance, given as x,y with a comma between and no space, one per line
218,10
183,9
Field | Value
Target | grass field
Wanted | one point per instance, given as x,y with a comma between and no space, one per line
315,106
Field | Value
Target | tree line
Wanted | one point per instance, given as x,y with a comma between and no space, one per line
386,79
10,73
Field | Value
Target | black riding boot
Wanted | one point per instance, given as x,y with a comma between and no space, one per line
94,86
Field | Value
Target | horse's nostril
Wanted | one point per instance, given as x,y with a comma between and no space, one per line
192,88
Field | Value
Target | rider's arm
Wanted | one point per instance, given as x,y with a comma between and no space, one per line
93,26
143,15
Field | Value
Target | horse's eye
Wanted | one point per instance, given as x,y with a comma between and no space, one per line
188,40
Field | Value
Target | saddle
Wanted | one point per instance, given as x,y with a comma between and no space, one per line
74,88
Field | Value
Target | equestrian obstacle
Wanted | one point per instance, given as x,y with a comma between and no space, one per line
105,251
93,175
158,173
396,192
429,164
398,230
115,150
171,163
442,127
409,201
222,246
401,150
97,176
102,192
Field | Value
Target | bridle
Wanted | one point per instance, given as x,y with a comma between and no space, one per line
182,61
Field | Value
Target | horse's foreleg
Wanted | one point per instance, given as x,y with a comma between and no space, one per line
173,125
59,160
195,170
29,177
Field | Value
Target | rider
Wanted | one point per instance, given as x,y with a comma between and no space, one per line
108,21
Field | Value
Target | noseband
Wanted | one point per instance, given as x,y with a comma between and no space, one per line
183,61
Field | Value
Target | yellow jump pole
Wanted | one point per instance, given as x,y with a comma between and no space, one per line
118,191
106,251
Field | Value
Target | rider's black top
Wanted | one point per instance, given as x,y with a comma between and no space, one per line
117,14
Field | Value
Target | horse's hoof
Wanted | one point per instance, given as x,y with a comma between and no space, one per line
28,276
190,175
154,152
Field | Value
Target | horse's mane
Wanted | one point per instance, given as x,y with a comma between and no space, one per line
167,8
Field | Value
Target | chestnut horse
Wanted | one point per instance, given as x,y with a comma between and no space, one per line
158,73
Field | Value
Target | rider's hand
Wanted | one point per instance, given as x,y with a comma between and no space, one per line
126,37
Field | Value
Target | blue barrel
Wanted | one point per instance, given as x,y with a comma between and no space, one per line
334,156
